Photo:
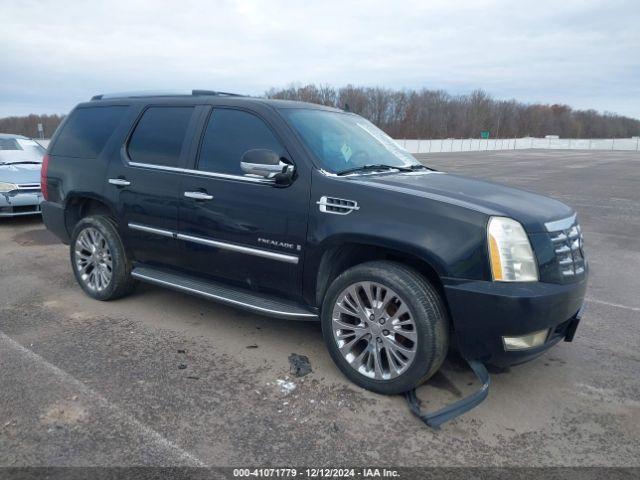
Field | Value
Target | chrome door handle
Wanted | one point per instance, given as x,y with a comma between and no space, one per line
198,195
120,182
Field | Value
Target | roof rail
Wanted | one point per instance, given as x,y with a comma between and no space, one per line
216,93
164,93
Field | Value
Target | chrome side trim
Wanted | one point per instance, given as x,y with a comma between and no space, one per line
258,252
223,176
219,297
157,231
282,257
562,224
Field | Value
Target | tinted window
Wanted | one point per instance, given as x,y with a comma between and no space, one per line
229,134
159,135
86,132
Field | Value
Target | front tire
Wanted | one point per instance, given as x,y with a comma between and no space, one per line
99,260
385,326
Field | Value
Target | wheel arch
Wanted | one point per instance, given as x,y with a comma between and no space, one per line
338,256
79,206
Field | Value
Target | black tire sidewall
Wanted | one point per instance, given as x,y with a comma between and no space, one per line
429,321
120,266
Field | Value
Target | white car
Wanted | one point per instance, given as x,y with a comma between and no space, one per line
20,164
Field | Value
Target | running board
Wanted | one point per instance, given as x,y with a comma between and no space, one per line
224,294
437,418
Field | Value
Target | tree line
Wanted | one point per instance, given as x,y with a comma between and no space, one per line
28,125
423,114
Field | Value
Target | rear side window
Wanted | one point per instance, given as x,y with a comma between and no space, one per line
86,132
229,134
159,135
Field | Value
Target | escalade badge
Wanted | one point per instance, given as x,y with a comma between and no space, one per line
277,243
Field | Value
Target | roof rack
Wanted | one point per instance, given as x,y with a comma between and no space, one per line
164,93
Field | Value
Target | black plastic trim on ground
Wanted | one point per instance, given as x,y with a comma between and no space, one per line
437,418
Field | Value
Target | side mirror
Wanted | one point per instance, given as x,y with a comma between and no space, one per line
268,164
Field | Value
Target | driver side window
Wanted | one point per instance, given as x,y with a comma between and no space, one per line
228,135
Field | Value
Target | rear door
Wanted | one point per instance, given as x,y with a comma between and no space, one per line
241,228
146,183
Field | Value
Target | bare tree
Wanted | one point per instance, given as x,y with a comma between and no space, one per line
28,125
425,114
436,114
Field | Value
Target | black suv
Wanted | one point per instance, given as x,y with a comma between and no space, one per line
306,212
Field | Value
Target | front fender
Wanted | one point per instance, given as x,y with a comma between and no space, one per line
450,238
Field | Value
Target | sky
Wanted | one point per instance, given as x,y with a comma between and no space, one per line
54,54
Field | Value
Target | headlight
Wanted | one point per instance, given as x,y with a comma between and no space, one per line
510,252
7,187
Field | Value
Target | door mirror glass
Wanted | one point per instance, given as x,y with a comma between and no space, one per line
266,163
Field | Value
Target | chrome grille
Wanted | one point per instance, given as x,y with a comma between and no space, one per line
568,245
29,187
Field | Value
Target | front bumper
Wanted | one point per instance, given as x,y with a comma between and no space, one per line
19,204
484,312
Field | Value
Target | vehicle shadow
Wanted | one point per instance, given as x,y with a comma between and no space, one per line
22,221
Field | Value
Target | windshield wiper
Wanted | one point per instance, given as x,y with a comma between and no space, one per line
378,166
419,166
20,163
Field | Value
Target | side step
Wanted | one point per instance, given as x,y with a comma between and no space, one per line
224,294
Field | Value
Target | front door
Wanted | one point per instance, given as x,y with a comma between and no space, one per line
144,187
240,228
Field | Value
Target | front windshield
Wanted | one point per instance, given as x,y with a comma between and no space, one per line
344,141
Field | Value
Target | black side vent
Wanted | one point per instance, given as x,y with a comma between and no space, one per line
337,206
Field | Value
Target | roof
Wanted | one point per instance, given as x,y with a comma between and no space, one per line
203,96
164,93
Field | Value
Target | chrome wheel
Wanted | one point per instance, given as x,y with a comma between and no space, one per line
374,330
93,259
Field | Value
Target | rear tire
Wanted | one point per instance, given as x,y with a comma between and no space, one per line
398,335
99,260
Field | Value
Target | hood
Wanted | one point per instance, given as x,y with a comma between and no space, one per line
11,156
20,173
530,209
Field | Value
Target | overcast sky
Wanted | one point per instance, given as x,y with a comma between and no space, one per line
54,54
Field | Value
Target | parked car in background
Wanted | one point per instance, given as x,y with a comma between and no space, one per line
20,163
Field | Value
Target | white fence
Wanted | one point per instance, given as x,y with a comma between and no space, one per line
478,145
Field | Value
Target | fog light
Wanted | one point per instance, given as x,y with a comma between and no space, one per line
531,340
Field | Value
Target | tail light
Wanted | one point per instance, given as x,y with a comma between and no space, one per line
43,177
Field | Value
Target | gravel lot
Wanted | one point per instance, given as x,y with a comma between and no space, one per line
90,383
